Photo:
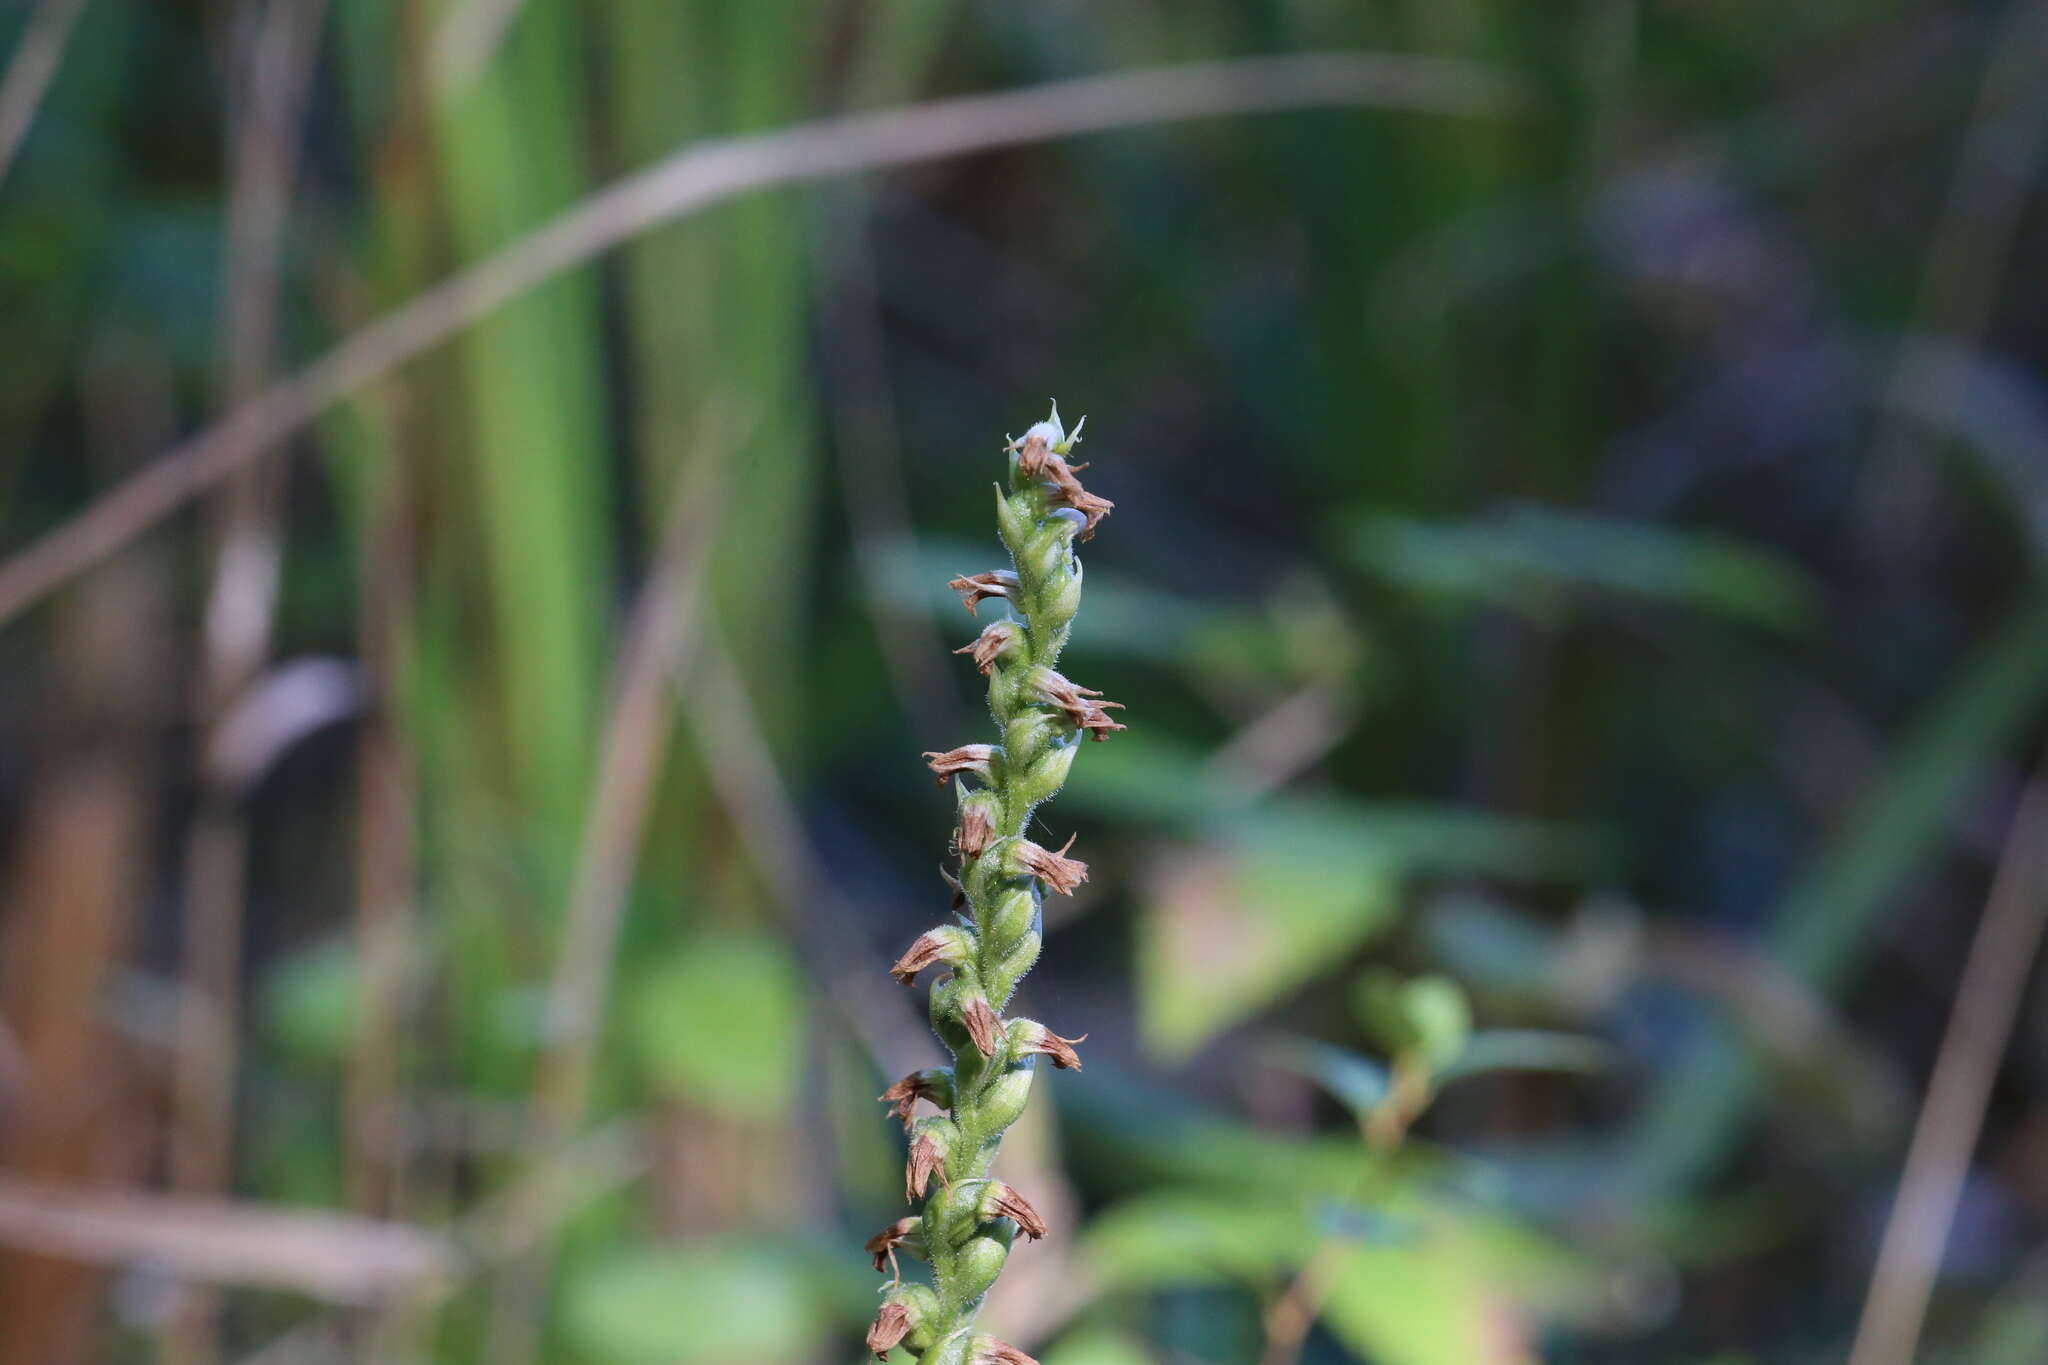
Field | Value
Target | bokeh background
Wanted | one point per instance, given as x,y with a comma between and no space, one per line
1576,580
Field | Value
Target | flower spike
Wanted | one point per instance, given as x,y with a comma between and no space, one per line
964,1227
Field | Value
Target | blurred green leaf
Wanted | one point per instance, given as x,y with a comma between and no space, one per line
721,1022
711,1304
1196,1237
1225,932
309,1000
1526,557
1505,1049
1427,1015
1358,1082
1094,1346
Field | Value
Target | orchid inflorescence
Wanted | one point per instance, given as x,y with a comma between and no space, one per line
969,1218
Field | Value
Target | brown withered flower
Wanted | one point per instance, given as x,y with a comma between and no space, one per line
1003,1201
892,1324
988,646
927,1159
1092,507
903,1095
975,833
990,1351
968,758
882,1246
1031,1036
933,946
1079,704
983,1025
1056,870
974,589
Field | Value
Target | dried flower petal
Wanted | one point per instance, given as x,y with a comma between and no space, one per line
983,1025
933,946
990,1351
1030,1036
890,1326
927,1158
1058,871
933,1084
1003,1201
1079,704
988,646
975,588
882,1246
975,834
968,758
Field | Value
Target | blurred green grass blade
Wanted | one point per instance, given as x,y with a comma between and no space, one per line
1528,557
511,147
1830,914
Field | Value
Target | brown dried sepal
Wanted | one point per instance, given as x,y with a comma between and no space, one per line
1056,870
927,1159
983,1025
932,947
974,589
1003,1201
990,1351
882,1246
1079,704
1036,459
903,1095
988,646
975,833
968,758
892,1324
1034,1037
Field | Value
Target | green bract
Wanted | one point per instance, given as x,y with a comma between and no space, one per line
969,1220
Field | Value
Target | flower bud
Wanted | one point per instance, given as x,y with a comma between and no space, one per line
948,944
1004,973
1015,518
1003,1102
1009,913
1027,735
1058,600
1047,775
976,1265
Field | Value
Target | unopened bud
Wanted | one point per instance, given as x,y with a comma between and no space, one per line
976,1265
1003,1102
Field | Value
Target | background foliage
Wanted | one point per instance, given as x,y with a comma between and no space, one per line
1576,577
